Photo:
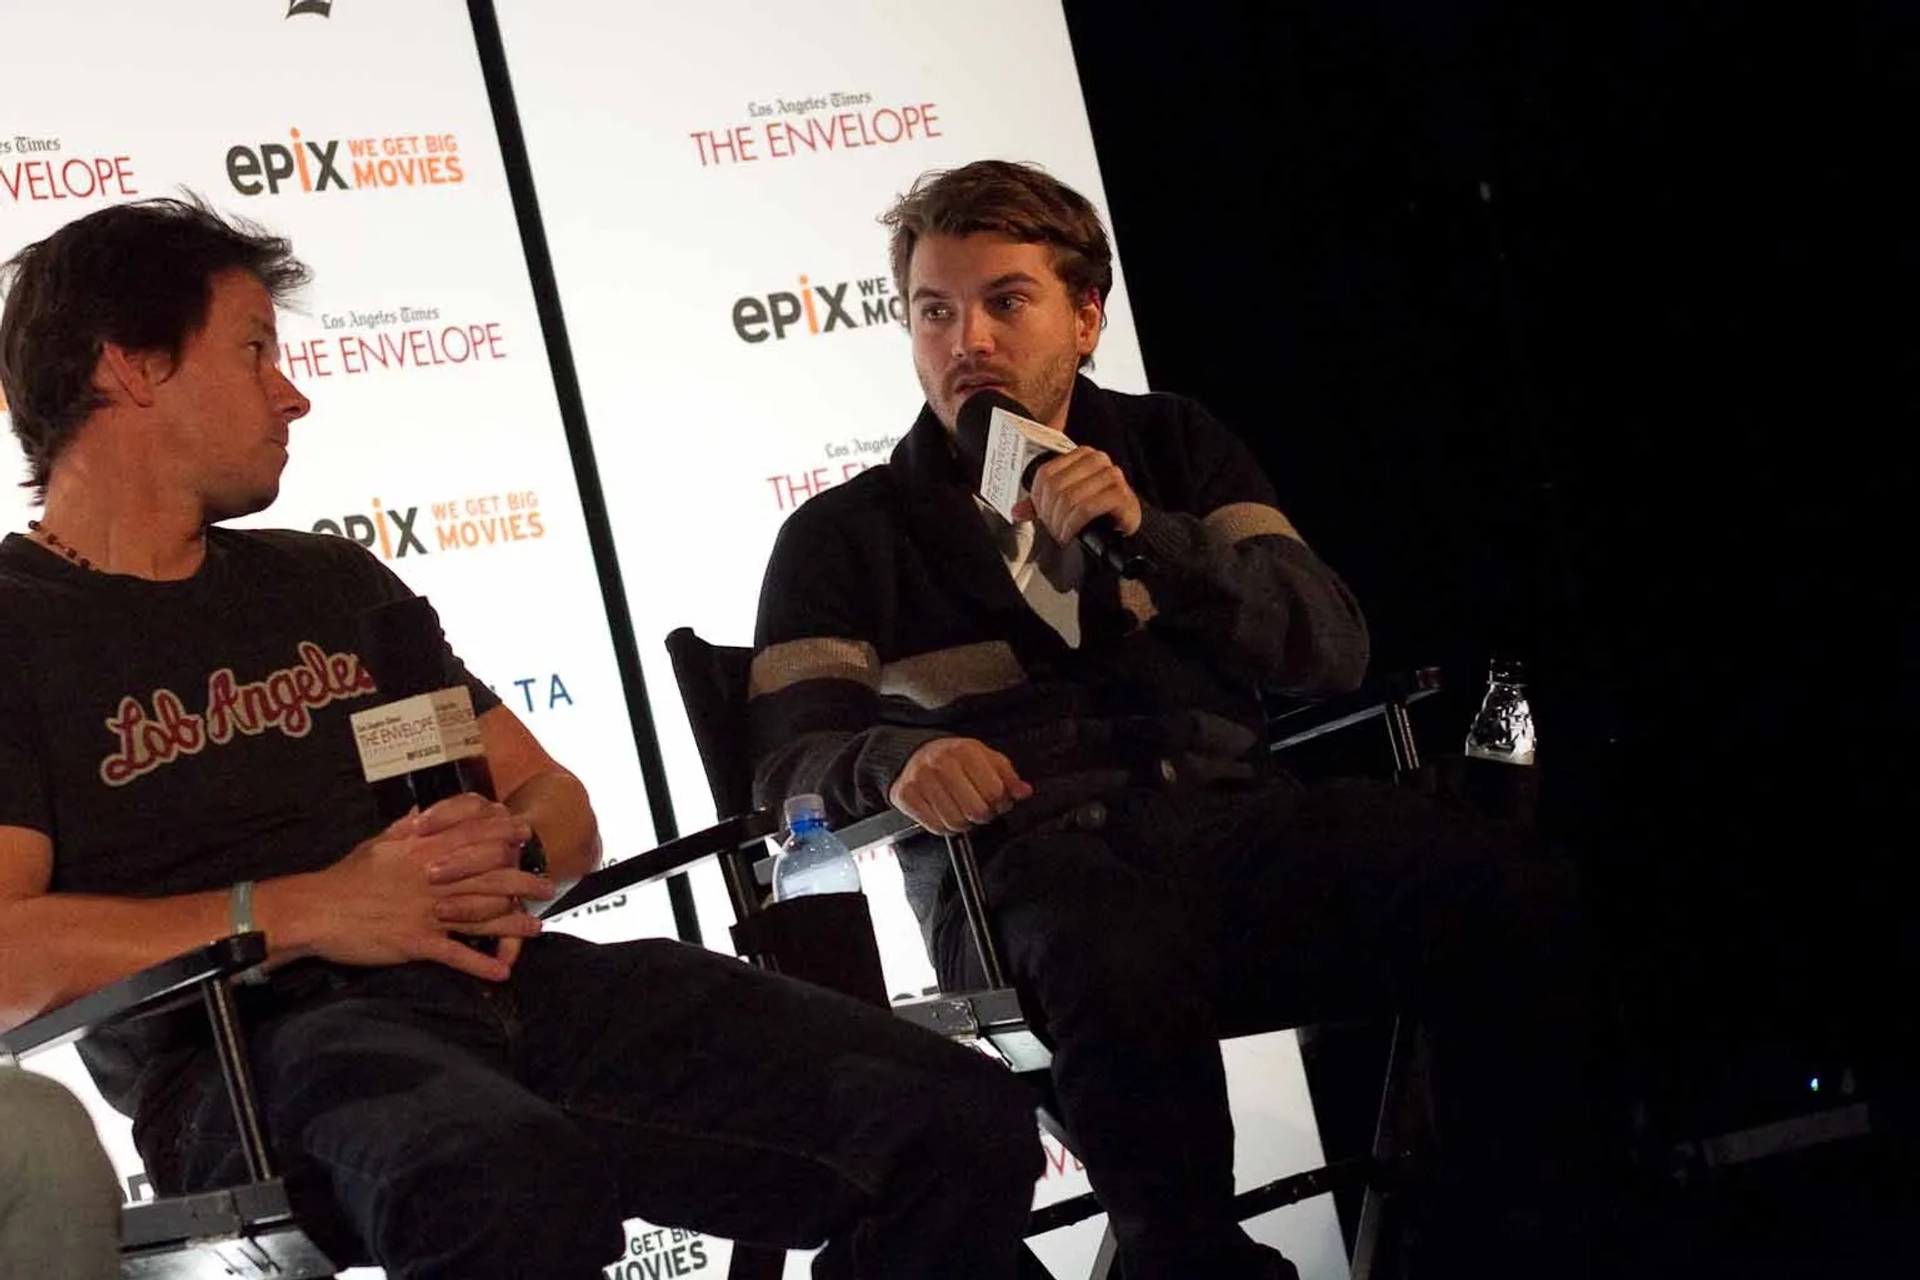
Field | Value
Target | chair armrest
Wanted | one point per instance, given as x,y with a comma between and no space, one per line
884,827
1374,697
722,837
215,961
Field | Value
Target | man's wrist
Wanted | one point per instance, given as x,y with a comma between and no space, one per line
240,920
285,909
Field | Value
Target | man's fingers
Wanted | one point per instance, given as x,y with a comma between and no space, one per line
1065,468
454,810
1085,502
953,784
1016,786
1072,469
940,800
471,908
509,924
471,858
986,780
919,802
454,955
402,826
1073,490
503,882
906,798
971,787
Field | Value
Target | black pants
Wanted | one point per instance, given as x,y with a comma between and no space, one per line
1142,931
469,1130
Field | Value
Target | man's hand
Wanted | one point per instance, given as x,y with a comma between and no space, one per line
454,868
1073,490
951,784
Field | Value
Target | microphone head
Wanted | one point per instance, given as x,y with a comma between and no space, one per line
971,423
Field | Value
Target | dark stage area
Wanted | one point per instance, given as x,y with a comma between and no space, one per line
1573,334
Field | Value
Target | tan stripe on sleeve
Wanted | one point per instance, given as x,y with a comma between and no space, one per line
1238,520
1138,601
937,678
781,666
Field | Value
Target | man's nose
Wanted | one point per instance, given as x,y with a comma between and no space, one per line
291,402
974,334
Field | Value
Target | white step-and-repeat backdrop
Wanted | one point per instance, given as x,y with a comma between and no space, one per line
709,178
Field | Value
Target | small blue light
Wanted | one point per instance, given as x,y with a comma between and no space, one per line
1814,1084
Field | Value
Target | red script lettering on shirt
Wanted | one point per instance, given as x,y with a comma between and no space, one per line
285,700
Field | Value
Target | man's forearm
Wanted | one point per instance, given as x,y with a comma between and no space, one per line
1242,582
555,805
57,947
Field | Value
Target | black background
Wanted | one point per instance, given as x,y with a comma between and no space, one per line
1579,334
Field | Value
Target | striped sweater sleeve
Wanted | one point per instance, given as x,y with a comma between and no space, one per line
1238,581
814,702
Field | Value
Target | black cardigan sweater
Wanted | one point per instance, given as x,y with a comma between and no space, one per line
888,618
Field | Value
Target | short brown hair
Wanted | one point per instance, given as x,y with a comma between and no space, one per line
1018,200
138,275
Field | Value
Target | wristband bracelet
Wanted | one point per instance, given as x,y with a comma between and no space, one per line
240,920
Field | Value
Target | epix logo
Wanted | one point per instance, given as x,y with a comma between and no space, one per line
397,160
817,309
458,524
390,532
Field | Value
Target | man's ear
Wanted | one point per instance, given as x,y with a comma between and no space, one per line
130,376
1089,318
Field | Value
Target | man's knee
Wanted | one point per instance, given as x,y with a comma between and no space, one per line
985,1129
1131,964
500,1189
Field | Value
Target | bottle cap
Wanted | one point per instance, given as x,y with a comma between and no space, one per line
806,805
1507,670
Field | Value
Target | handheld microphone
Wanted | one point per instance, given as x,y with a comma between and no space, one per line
412,746
998,439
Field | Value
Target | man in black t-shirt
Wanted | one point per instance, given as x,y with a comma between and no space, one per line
176,764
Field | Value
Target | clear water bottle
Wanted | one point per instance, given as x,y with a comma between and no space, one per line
813,859
1503,729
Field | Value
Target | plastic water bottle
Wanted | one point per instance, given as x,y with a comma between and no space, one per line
1500,778
813,859
1503,729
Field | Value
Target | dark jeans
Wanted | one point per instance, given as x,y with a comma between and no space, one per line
1142,931
463,1129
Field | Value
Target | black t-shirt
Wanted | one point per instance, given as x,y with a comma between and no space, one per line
179,736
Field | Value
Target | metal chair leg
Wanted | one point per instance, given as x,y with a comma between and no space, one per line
973,899
1403,1107
1406,754
232,1053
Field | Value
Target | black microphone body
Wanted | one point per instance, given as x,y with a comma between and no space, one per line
401,645
1100,539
